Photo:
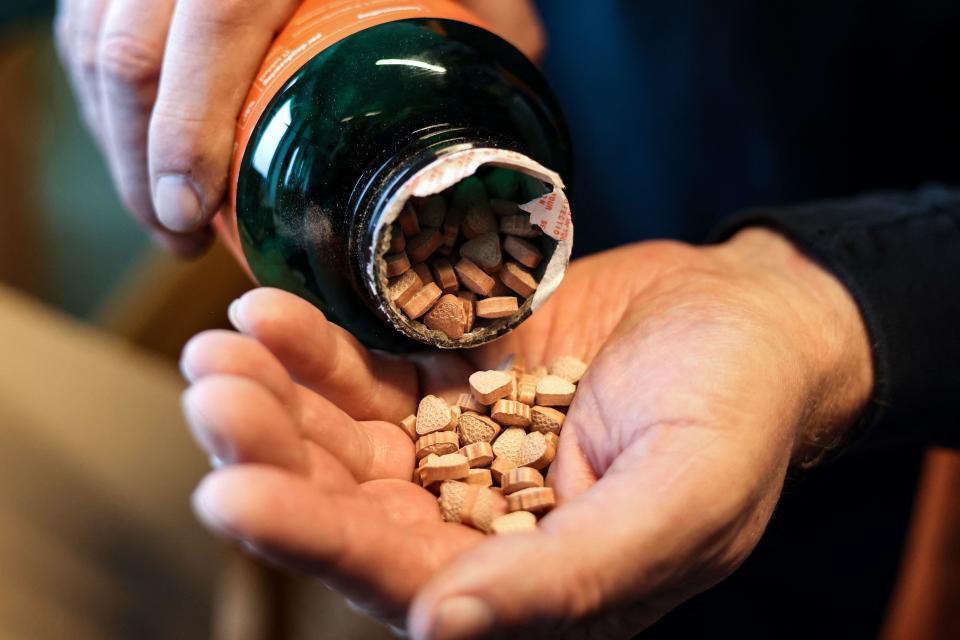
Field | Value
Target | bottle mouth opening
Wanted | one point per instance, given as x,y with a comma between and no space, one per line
488,234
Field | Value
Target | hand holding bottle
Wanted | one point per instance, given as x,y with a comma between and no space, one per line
168,136
712,371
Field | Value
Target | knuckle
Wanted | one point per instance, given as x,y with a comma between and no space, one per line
175,143
86,60
228,14
185,143
123,59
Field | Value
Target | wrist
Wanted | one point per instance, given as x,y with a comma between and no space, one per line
823,328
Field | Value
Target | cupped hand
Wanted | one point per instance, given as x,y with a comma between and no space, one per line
712,370
168,137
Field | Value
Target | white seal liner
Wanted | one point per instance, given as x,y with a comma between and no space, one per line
550,212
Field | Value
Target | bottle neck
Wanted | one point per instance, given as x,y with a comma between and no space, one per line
438,162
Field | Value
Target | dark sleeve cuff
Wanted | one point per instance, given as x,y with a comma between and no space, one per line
899,256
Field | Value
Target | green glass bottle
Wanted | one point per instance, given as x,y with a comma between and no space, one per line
324,165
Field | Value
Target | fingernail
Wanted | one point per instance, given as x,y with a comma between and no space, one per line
461,618
233,314
205,502
177,204
201,502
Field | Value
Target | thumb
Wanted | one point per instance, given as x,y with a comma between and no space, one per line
586,558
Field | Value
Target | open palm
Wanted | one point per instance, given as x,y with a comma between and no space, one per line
667,470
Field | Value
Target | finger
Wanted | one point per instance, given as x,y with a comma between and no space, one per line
325,357
370,450
226,352
238,421
130,54
326,471
63,19
89,26
515,21
571,473
234,422
346,540
77,29
200,95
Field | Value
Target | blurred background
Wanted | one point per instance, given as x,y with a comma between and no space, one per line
96,465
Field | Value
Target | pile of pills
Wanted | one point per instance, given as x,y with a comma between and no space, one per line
486,457
462,259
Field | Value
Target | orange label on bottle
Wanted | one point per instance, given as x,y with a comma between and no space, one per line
316,25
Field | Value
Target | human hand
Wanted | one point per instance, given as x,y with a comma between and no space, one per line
710,370
168,138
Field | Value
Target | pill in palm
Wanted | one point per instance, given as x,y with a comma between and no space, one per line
489,453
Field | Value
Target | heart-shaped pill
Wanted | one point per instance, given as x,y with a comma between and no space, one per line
484,251
433,415
554,391
489,386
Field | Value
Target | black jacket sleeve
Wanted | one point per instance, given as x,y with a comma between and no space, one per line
899,256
